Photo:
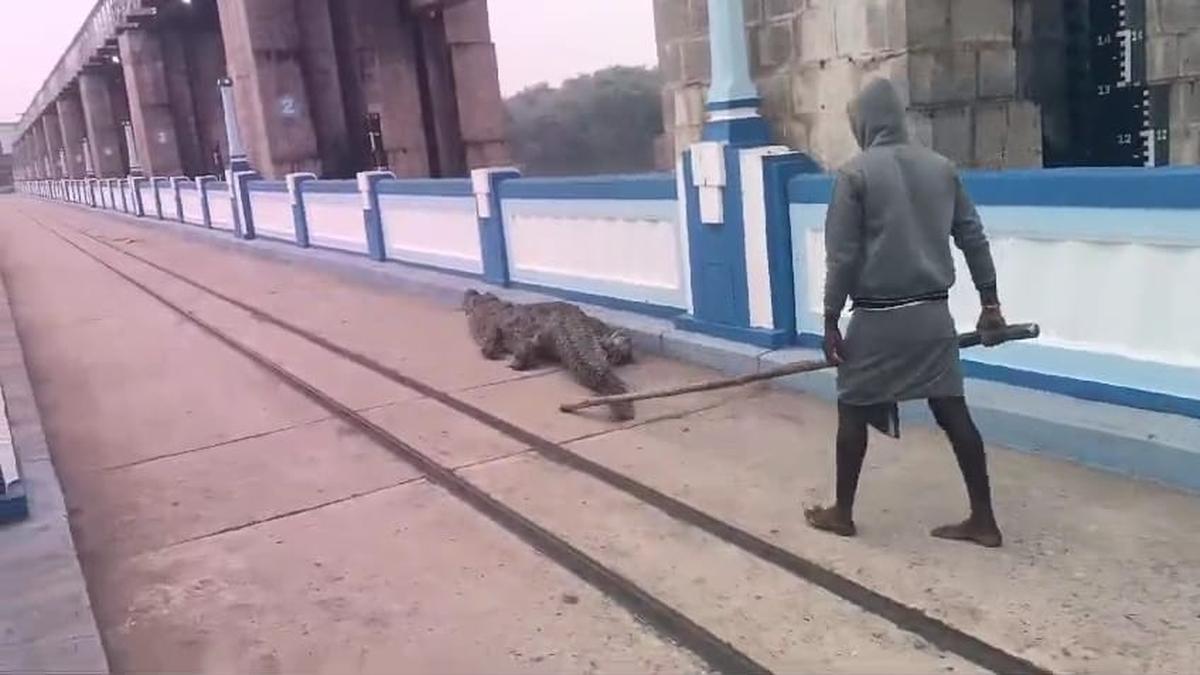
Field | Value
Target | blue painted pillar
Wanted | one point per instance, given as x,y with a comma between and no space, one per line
202,190
239,196
734,187
156,186
485,183
137,208
733,99
176,197
295,188
239,174
372,219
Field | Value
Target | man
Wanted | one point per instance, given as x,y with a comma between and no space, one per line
894,210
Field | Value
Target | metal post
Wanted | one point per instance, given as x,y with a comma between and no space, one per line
135,165
89,168
237,151
375,139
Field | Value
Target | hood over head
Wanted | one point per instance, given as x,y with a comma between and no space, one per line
877,116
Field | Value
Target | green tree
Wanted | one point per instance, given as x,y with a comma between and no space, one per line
605,122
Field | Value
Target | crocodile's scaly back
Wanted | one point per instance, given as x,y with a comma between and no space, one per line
484,313
581,353
552,331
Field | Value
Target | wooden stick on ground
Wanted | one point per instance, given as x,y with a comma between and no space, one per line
1015,332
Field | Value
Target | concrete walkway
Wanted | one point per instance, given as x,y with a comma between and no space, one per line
227,523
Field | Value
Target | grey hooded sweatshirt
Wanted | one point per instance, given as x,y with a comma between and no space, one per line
894,209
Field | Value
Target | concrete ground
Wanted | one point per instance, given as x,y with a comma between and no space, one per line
227,523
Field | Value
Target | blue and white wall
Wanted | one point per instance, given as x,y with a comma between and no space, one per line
1107,261
732,245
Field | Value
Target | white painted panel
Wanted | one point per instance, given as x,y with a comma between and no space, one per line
273,215
220,210
192,211
169,208
336,221
8,455
1135,300
437,231
685,253
625,257
147,194
754,222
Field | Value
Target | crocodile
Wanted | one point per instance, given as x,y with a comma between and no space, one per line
560,332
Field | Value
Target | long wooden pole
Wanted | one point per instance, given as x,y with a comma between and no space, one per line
1015,332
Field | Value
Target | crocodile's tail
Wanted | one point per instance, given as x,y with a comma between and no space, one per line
582,355
613,386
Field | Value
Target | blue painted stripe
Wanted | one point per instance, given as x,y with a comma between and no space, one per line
1087,390
811,189
267,186
436,261
331,186
646,308
13,505
436,268
1163,227
1108,188
287,237
435,187
454,204
606,288
752,102
640,186
599,209
338,243
1111,188
739,133
1076,387
759,337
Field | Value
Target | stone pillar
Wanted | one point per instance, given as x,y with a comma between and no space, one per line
206,60
1173,69
52,131
280,55
448,156
103,127
74,130
176,67
377,55
481,114
150,103
37,150
733,100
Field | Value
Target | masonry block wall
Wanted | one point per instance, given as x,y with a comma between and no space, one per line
990,83
1173,59
955,60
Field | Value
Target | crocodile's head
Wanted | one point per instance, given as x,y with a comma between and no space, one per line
618,347
473,300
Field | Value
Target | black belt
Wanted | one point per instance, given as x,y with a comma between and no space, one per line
889,303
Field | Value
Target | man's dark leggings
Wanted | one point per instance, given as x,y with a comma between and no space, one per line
952,416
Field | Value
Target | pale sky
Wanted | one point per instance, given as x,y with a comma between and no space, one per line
536,40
